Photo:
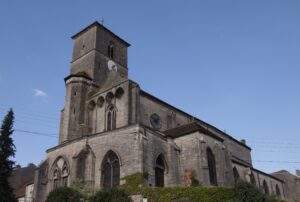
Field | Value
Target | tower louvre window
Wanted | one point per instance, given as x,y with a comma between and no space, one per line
110,50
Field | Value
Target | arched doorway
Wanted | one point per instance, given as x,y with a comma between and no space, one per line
160,171
110,172
211,162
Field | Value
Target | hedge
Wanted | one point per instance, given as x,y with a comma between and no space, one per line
136,184
243,192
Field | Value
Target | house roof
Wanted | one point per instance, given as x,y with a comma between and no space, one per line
190,128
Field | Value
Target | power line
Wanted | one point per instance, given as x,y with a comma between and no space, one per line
32,112
37,133
265,161
28,122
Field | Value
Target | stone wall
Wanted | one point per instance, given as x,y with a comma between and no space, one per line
125,142
193,156
292,185
154,144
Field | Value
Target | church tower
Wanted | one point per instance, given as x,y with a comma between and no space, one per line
99,61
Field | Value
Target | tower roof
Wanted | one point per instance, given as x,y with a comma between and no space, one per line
97,24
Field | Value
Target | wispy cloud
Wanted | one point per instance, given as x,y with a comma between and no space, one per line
39,93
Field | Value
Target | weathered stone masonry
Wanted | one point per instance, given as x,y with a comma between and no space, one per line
111,128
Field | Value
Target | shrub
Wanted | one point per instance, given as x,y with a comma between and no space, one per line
64,194
112,195
191,194
247,192
134,183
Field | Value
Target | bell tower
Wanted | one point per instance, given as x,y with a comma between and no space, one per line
99,61
95,49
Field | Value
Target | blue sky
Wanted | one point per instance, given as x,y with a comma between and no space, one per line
234,64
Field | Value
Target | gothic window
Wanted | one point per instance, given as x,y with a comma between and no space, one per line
266,188
119,92
110,171
252,179
111,118
211,167
159,171
80,170
236,175
91,107
60,173
110,50
56,177
277,191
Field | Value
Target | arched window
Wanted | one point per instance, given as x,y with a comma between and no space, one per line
110,50
56,177
278,194
91,107
236,175
80,169
160,171
110,171
211,167
111,118
60,173
252,179
266,188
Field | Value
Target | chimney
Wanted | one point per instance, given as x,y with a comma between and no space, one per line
243,141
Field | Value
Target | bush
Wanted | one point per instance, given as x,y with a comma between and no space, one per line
191,194
247,192
112,195
64,194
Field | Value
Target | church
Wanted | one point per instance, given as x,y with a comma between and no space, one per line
111,128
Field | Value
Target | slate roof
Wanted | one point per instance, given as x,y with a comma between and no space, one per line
190,128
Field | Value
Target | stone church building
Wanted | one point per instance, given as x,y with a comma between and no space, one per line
111,128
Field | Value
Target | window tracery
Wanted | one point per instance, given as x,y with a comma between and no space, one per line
60,173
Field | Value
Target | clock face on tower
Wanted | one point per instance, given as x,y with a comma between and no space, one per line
111,65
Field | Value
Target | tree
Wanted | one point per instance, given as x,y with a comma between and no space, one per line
7,151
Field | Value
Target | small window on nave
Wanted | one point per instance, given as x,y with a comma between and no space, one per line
236,175
252,179
266,188
277,191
